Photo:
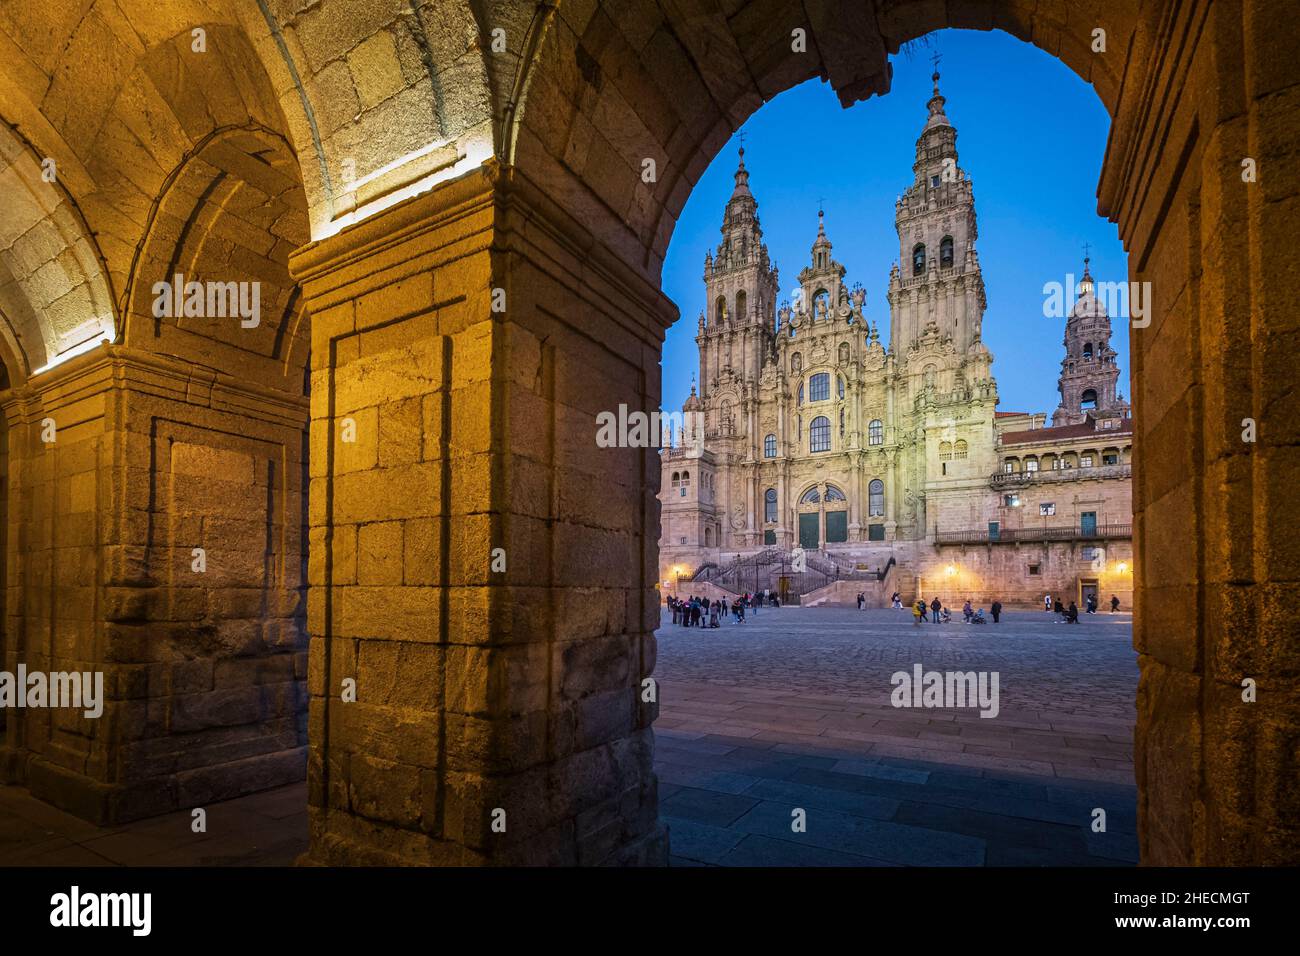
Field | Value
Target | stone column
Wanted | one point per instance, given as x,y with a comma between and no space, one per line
155,539
482,573
1215,520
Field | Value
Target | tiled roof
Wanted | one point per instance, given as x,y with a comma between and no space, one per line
1087,429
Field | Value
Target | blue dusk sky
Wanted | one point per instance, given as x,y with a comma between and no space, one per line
1031,136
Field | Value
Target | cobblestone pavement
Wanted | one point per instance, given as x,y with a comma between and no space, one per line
791,710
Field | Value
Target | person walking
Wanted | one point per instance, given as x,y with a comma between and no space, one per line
967,612
861,600
918,612
935,607
1114,604
1047,603
996,610
1059,608
1072,613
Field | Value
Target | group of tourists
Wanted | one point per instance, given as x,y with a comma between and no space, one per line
1069,613
701,612
939,614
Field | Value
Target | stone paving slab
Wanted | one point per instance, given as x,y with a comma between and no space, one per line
795,706
263,829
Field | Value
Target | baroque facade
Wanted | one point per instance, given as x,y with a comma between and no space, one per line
820,436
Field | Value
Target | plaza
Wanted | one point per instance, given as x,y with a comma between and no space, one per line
791,709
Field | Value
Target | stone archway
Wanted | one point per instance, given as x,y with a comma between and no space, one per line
574,235
491,191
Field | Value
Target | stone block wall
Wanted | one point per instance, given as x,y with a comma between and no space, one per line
497,715
203,653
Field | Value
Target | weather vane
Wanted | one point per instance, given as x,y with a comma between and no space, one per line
936,58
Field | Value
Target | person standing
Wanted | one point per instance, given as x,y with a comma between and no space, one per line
996,610
967,612
860,600
1047,603
936,606
918,612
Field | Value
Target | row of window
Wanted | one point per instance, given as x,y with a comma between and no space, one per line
819,435
875,499
1062,462
918,255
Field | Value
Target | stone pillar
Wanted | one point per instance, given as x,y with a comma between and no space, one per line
499,714
156,539
1215,522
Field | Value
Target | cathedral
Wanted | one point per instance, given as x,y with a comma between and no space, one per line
890,461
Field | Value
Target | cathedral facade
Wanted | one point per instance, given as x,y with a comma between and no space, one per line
818,435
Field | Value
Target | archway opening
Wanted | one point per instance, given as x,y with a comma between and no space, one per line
920,495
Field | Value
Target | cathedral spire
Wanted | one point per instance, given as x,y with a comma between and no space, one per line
742,178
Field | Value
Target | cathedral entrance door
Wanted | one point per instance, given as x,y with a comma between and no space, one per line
809,531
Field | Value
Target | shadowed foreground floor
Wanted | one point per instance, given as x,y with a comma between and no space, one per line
790,711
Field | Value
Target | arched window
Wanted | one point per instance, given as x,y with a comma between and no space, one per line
686,477
945,252
1088,399
720,309
769,506
918,259
741,303
876,432
819,387
769,446
708,537
945,451
959,450
810,497
819,434
1087,350
801,393
876,497
839,380
677,478
834,494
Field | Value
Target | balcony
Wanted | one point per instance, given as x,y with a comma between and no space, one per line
1102,532
1021,479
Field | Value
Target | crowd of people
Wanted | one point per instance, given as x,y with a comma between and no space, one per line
701,612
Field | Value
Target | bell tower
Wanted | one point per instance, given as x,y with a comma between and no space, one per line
936,289
1089,373
741,289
